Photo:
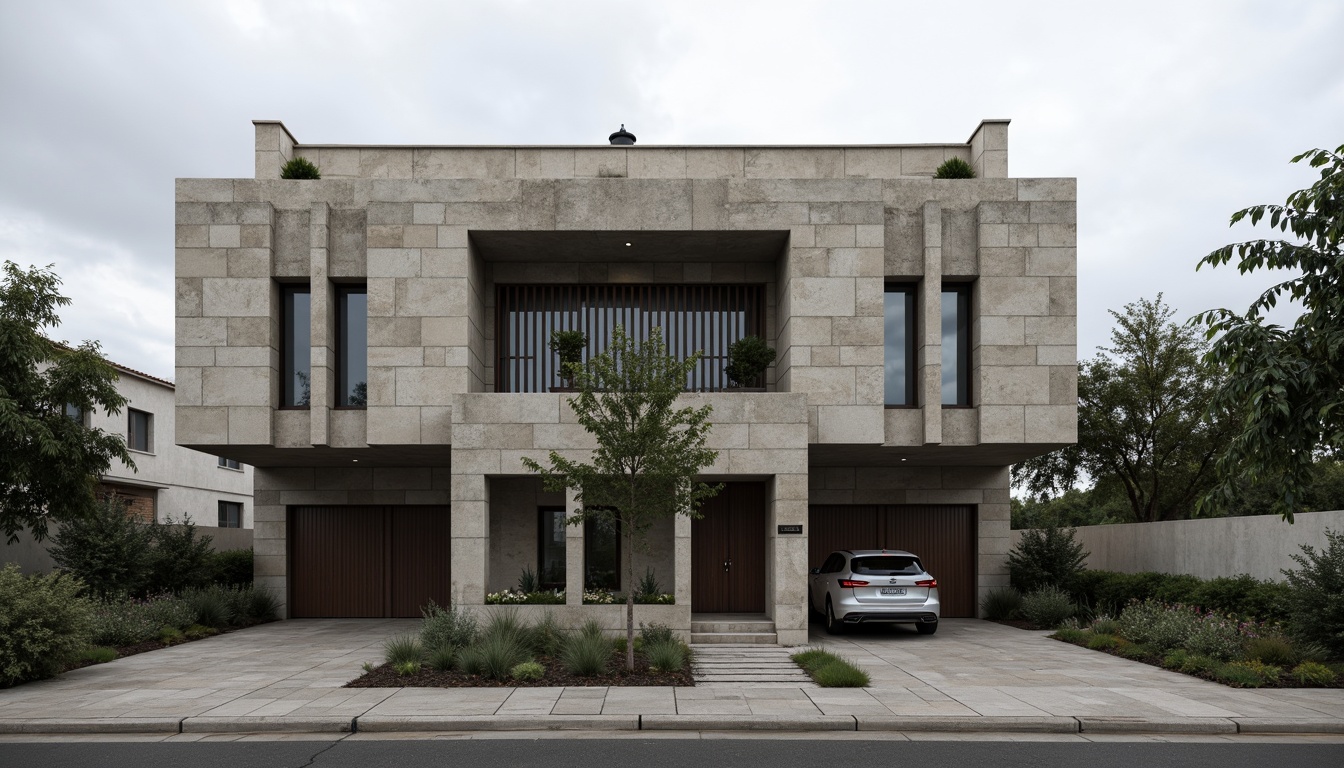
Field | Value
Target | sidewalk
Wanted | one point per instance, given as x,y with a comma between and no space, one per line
972,676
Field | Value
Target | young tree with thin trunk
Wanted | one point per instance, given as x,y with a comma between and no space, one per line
648,453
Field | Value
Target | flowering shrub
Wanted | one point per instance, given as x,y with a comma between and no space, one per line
607,597
519,597
598,597
1156,625
1216,636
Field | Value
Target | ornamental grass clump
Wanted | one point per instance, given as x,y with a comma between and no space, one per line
300,168
830,671
954,168
402,649
666,655
587,652
1002,603
448,627
442,659
1048,607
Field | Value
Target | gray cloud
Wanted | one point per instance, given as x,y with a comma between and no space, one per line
1170,115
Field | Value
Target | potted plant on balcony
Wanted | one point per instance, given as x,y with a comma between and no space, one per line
748,357
569,345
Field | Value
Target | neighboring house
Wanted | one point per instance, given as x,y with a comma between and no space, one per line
375,343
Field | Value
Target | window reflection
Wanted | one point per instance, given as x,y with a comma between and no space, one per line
352,355
295,346
956,346
898,336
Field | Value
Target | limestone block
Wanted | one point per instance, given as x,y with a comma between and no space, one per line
902,426
397,356
235,297
1058,235
1004,212
921,161
995,330
715,163
192,236
822,297
969,477
853,331
1023,235
835,236
420,236
601,162
462,163
394,332
1059,330
824,386
870,355
1052,424
656,163
764,215
725,436
236,386
873,162
233,357
823,213
992,355
854,262
225,236
385,163
961,426
771,408
1015,296
544,163
888,478
870,235
387,213
284,479
288,428
993,235
248,262
187,296
1015,385
994,165
1003,262
624,204
1064,384
250,425
1002,423
757,462
959,242
851,424
920,496
196,425
1063,296
443,331
519,408
795,163
393,425
195,357
1054,213
431,297
201,262
204,190
1047,189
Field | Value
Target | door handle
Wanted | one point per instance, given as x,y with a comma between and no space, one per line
727,564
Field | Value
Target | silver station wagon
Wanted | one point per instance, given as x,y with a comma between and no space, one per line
874,586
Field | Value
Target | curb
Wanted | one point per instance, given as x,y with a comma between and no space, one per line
395,723
968,724
273,724
1280,725
1156,725
746,723
93,725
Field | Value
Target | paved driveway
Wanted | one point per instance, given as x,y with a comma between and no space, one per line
970,669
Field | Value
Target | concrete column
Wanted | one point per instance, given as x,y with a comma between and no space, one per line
681,568
786,554
989,149
470,536
274,147
573,554
930,311
323,327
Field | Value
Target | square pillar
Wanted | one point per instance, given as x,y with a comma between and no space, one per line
470,528
573,554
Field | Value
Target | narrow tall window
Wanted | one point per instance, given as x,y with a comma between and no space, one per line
601,554
956,345
296,331
551,547
352,354
230,514
139,436
898,337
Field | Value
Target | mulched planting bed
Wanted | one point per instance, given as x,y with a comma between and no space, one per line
146,646
1284,681
386,677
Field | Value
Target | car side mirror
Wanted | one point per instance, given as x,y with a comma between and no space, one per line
815,571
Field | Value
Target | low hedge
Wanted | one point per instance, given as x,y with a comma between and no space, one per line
1110,592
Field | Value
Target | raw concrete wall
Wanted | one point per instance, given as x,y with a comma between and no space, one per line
1226,546
32,556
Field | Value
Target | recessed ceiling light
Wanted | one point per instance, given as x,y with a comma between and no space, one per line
358,459
627,245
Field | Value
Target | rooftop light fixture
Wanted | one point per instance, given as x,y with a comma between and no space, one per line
622,137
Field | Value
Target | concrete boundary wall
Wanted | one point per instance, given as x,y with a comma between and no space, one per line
1225,546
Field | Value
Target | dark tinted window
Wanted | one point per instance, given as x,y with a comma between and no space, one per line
956,346
886,565
601,554
352,356
833,563
898,337
296,333
551,547
230,514
138,431
230,463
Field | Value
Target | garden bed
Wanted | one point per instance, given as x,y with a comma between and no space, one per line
555,675
155,644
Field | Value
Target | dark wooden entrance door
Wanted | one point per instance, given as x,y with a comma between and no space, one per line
367,561
728,552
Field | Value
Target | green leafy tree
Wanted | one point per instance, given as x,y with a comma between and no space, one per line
1046,557
1141,425
49,463
1286,385
648,452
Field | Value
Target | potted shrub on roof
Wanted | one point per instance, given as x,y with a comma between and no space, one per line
748,357
954,168
300,168
569,345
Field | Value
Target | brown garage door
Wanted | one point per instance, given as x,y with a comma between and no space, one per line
367,562
942,536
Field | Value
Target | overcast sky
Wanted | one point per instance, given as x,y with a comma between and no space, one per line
1170,114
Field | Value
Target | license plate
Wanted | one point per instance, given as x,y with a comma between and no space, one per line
893,590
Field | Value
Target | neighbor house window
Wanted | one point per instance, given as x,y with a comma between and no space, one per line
230,514
74,413
139,431
352,352
898,336
229,463
295,329
551,547
601,554
956,345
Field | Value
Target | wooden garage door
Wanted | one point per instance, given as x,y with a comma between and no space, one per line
367,561
942,536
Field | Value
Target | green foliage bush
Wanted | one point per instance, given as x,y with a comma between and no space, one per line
648,585
262,604
1316,603
1134,651
748,359
526,671
106,549
811,659
1072,635
1312,673
1214,635
402,649
1247,674
1105,625
495,654
586,653
954,168
1271,649
299,168
668,655
1153,624
1241,596
44,624
170,635
443,658
1102,642
215,606
1047,607
1199,665
123,622
406,668
1046,557
449,627
1001,603
101,654
654,632
232,567
177,559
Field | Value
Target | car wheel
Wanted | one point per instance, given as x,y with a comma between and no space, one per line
833,626
926,629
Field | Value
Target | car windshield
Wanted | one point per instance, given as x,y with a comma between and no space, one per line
886,565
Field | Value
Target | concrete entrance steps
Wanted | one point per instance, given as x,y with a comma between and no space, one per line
732,629
746,664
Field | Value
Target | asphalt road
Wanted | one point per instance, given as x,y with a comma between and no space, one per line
638,753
